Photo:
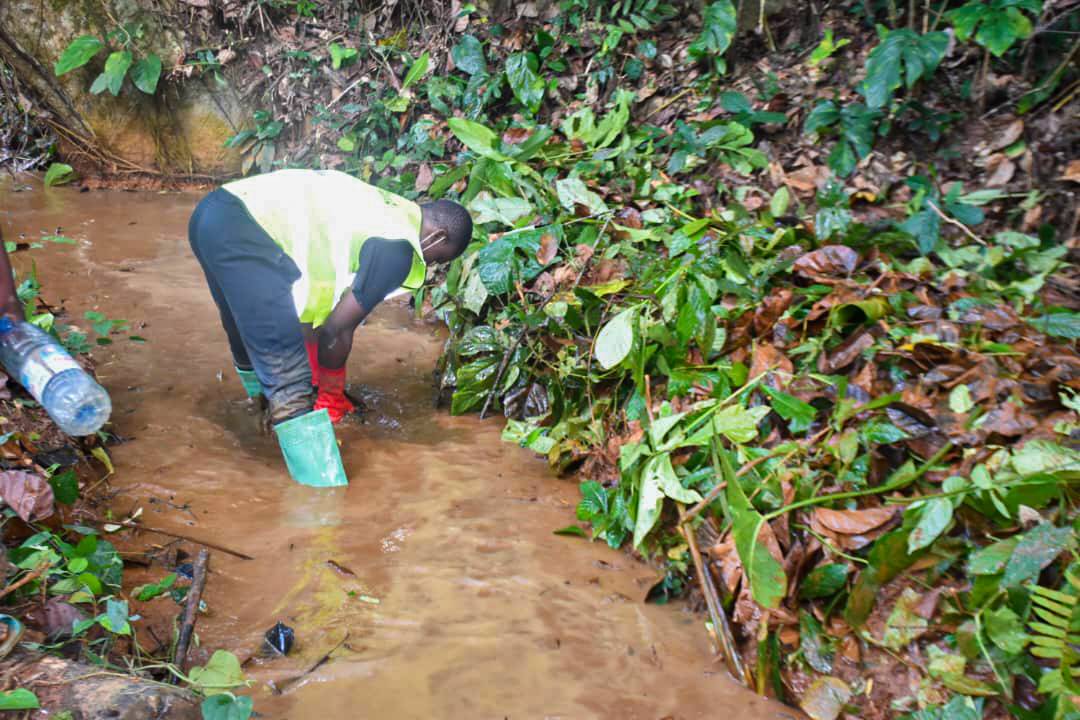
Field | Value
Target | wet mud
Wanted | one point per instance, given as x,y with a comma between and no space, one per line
434,574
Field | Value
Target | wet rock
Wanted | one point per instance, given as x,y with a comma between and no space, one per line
90,695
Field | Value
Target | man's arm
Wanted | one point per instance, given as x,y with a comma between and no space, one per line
9,299
336,334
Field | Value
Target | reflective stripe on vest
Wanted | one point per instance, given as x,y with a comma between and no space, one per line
321,219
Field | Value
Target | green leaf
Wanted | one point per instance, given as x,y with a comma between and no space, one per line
528,88
768,583
468,56
824,581
615,339
934,517
116,66
58,174
650,502
991,559
739,424
505,210
1037,548
146,72
477,138
669,484
1060,324
65,487
925,227
18,699
150,591
572,191
798,413
573,530
116,617
416,70
221,673
902,55
78,53
594,501
813,644
1006,630
780,201
717,31
226,706
960,399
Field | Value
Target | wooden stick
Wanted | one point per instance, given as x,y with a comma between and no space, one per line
32,575
716,612
191,609
715,492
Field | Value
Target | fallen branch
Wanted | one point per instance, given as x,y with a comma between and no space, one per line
191,609
506,358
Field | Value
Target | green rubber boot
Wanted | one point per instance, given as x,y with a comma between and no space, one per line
311,451
250,382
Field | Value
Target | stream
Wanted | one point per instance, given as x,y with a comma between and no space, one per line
435,573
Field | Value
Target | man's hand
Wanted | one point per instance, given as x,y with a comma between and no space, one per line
332,394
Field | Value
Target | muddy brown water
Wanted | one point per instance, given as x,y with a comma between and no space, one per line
461,603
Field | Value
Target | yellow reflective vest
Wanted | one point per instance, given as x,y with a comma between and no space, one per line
321,219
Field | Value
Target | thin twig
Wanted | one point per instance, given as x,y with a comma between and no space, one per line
178,536
957,223
278,689
30,576
716,611
191,610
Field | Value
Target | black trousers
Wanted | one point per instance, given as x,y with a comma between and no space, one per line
251,279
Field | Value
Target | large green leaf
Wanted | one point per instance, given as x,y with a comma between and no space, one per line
18,699
476,137
999,24
527,86
416,71
901,54
615,339
1059,324
78,53
146,72
768,583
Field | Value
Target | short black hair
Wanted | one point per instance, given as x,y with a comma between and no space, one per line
454,219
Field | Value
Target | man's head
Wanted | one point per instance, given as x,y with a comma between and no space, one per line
445,230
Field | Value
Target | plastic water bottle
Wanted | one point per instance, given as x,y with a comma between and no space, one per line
72,398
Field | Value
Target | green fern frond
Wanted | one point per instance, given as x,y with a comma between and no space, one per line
1055,636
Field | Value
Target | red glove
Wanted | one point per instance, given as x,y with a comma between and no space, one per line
332,394
312,347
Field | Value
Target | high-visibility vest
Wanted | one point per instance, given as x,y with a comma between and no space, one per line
321,219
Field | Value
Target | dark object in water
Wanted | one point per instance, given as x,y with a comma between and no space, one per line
280,638
186,570
64,456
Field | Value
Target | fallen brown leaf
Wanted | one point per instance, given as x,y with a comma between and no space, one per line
424,178
28,494
853,522
549,248
829,263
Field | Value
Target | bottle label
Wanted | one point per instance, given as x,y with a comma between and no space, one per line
50,361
